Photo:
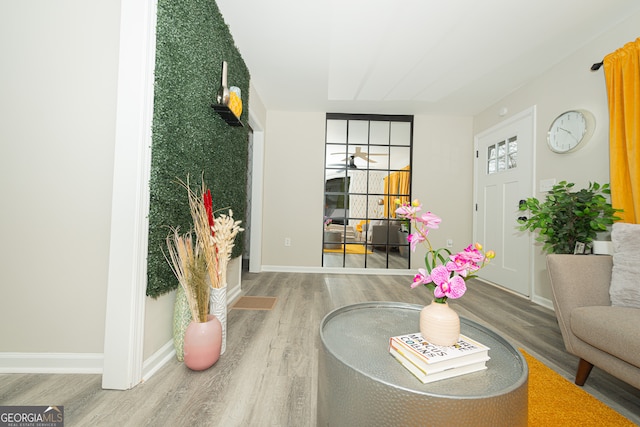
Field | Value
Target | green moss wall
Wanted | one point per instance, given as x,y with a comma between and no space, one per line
189,138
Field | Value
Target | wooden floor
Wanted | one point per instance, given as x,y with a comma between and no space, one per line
267,377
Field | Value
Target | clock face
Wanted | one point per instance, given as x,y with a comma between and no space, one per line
569,130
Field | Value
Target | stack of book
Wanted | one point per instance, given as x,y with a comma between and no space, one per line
429,362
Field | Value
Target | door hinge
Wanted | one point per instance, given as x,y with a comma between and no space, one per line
476,207
477,154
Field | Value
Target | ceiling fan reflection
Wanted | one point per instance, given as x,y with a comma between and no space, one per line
361,155
341,166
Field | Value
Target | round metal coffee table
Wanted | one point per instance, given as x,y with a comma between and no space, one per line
360,383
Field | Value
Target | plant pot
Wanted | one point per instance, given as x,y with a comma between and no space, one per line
439,324
202,343
602,247
218,307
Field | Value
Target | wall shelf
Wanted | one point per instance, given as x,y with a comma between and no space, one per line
227,115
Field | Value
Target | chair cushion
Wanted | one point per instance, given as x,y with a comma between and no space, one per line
624,290
610,329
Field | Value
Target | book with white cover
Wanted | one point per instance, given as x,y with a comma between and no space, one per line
437,376
431,358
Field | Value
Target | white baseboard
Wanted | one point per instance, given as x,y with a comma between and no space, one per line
158,360
545,302
51,363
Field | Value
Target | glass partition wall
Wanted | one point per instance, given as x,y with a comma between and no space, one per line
367,168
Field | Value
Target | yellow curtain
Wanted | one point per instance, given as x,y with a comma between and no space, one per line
395,184
403,184
390,183
622,75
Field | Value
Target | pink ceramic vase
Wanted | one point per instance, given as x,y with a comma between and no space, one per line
439,324
202,343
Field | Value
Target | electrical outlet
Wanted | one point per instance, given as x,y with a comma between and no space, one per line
287,241
449,243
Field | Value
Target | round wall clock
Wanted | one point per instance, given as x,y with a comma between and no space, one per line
570,130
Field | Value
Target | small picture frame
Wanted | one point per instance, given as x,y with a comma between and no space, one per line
579,248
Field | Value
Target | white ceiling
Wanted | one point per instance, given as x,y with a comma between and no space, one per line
410,56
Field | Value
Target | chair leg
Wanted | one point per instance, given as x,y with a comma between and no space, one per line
584,369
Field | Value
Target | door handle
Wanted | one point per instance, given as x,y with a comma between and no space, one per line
522,218
522,202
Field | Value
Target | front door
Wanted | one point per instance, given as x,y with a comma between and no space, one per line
503,177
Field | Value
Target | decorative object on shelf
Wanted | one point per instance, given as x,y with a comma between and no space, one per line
235,100
570,130
200,263
567,221
445,274
202,343
228,103
222,98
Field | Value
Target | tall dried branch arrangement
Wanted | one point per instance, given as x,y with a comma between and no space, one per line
188,265
225,231
202,220
215,237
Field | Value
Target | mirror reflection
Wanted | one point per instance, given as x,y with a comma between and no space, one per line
367,167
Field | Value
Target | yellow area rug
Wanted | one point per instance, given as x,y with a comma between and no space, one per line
351,249
555,401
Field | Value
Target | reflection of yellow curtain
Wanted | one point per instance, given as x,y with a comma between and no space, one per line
396,186
622,74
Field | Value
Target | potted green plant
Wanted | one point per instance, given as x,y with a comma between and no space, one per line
567,217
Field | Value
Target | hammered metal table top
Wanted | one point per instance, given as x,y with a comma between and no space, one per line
358,335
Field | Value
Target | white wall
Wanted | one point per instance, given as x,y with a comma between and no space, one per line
294,191
158,322
57,113
567,85
293,188
443,178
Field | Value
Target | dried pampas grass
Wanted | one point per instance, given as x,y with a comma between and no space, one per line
203,231
225,231
189,267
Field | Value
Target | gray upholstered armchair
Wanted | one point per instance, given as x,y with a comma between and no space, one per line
384,236
592,329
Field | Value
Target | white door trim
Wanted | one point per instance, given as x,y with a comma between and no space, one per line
257,172
127,281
